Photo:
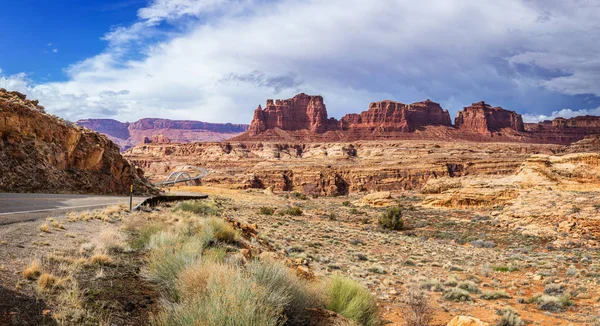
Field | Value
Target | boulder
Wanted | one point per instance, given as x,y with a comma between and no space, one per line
466,321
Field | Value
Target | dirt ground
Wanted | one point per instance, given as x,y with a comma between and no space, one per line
333,235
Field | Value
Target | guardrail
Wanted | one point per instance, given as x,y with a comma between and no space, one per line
153,201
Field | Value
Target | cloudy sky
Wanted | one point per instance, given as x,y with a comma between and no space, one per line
216,60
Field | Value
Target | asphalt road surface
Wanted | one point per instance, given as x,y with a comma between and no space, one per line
26,207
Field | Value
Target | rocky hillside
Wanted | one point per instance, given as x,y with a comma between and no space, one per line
43,153
127,134
304,118
335,168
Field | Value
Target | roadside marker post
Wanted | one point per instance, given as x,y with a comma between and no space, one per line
131,198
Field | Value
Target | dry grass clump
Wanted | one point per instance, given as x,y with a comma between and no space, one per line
100,259
221,231
57,226
45,228
69,305
495,295
109,240
46,281
33,270
353,301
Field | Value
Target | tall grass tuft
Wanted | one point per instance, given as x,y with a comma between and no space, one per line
199,207
353,301
285,290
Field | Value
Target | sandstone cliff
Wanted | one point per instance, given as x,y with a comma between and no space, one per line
43,153
304,117
127,134
482,118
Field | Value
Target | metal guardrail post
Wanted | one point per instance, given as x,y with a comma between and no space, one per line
131,198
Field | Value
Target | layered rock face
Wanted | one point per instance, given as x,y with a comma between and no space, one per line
127,134
307,116
483,118
304,118
394,116
43,153
297,113
565,131
334,168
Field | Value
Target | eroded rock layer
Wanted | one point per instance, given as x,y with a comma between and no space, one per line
334,168
43,153
127,134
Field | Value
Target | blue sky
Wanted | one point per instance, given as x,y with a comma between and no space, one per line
216,60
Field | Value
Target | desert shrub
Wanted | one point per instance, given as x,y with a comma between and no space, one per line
419,312
353,301
264,210
285,290
228,299
299,195
451,281
141,239
293,211
469,286
549,303
192,280
495,295
457,295
510,318
165,263
46,282
219,230
197,207
345,203
431,285
554,289
505,269
332,216
392,219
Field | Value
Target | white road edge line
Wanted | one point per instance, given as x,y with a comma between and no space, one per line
56,209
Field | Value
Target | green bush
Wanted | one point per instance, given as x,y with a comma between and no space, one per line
346,203
457,295
392,219
293,211
197,207
495,295
299,195
266,210
353,301
469,286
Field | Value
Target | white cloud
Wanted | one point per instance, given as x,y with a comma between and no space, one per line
565,113
227,56
55,50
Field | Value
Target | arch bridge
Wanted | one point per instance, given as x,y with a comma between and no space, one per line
183,176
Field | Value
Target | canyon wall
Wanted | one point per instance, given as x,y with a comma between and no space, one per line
127,134
43,153
334,168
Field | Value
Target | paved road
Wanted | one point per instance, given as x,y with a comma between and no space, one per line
24,207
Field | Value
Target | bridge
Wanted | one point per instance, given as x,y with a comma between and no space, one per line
182,176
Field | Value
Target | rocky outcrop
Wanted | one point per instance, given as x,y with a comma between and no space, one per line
43,153
297,113
127,134
565,131
484,119
395,116
307,116
160,139
335,168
